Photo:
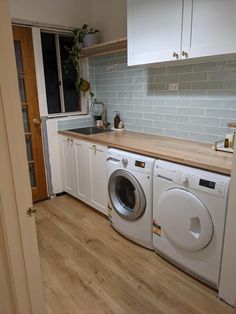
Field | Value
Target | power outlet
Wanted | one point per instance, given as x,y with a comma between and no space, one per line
173,86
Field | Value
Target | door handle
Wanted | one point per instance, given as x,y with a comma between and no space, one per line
36,122
31,211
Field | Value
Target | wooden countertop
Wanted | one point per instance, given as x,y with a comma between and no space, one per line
200,155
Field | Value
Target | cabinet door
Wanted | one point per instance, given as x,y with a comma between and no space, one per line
98,175
209,27
67,154
154,30
82,171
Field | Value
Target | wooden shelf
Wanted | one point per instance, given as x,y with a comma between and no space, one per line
105,48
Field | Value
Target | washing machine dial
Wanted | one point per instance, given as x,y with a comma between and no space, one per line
125,162
184,180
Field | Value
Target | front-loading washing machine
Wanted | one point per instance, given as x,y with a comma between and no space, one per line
130,195
189,211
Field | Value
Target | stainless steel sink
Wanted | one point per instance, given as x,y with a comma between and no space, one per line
89,130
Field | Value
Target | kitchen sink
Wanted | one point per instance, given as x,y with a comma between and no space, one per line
89,130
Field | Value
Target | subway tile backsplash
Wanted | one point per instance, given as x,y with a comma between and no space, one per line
200,110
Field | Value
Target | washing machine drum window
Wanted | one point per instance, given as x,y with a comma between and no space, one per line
126,195
184,219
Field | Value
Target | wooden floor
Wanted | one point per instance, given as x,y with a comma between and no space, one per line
89,268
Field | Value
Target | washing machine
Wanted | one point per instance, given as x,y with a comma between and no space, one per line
189,212
130,195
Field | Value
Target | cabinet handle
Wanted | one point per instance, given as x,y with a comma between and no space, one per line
175,55
184,54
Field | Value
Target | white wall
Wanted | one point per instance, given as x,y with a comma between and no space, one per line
110,17
60,12
107,15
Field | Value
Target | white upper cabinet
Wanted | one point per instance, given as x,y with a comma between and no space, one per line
165,30
154,30
209,27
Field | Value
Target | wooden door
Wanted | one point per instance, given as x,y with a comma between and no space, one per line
30,110
209,27
98,170
154,30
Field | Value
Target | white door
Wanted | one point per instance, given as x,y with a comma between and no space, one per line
21,280
154,30
67,153
97,158
209,27
82,170
184,220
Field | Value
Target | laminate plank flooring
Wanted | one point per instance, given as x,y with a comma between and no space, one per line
88,268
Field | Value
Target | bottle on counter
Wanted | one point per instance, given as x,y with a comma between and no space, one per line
117,120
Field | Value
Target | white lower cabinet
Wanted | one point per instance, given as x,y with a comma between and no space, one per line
82,171
67,156
98,180
83,166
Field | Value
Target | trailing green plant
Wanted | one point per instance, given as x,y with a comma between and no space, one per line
73,61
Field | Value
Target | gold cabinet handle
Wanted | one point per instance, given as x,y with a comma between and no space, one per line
184,54
175,55
36,122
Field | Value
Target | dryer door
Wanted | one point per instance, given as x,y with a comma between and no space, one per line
126,195
184,220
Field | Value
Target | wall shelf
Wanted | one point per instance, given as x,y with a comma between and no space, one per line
105,48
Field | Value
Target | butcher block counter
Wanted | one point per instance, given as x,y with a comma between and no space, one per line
200,155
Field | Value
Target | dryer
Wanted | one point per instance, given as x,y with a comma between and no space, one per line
130,195
189,211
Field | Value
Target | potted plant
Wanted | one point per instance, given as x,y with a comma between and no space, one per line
73,61
90,36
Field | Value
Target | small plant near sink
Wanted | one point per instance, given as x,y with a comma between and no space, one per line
73,61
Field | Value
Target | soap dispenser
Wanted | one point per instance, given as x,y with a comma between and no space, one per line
117,120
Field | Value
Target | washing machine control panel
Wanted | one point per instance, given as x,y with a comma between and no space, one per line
190,180
200,183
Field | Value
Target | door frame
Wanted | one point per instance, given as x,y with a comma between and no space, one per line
19,259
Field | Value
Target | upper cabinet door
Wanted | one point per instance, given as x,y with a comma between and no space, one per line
154,30
209,27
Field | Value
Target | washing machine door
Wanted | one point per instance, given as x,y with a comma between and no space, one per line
184,219
126,195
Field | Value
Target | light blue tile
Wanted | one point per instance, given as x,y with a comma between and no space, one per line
169,110
203,137
179,68
205,121
191,111
199,76
229,104
221,113
176,118
222,75
176,133
153,130
165,78
207,85
219,131
206,103
153,116
209,66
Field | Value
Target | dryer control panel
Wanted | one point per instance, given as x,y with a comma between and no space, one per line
192,178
